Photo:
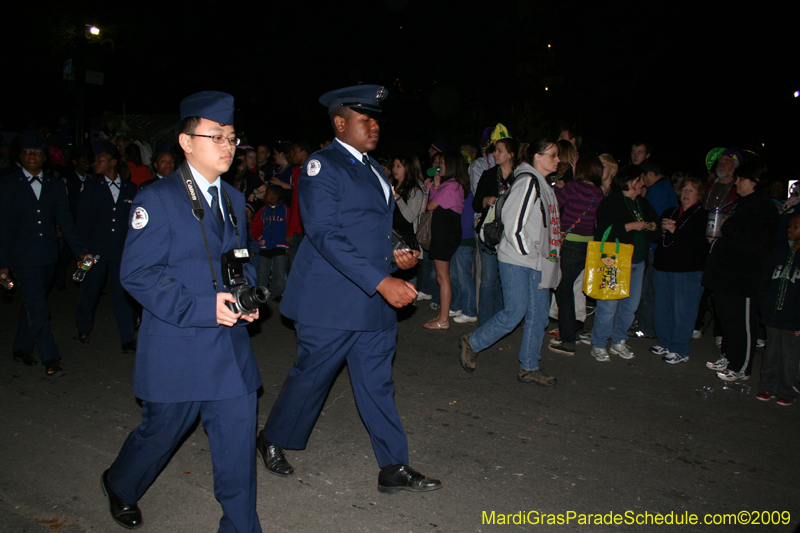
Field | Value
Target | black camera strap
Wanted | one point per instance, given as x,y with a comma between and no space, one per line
199,212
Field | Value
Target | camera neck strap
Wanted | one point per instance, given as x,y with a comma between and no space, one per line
199,213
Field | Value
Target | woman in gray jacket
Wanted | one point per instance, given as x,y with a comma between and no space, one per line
528,256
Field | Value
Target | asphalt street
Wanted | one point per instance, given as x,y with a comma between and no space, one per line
625,440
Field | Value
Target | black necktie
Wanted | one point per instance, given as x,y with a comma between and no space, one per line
113,184
365,159
34,178
214,192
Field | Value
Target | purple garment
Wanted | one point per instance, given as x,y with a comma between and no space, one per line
468,219
574,198
449,195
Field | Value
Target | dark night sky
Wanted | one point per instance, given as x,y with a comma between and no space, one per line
687,78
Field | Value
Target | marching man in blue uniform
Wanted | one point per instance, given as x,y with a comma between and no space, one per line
102,218
193,355
340,295
32,204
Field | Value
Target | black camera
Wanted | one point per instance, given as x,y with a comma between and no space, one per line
248,299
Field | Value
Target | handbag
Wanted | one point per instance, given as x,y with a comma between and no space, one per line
608,269
424,229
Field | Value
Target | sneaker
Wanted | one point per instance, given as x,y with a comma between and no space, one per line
621,349
730,375
765,396
559,346
536,376
455,313
434,306
554,333
697,334
718,341
658,350
760,343
422,296
600,354
586,338
673,358
719,365
786,402
467,357
464,319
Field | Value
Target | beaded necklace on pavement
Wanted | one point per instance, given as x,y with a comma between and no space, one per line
664,236
784,280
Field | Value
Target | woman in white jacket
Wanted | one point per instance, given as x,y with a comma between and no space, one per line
528,262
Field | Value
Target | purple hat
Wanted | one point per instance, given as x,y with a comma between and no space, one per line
210,105
734,153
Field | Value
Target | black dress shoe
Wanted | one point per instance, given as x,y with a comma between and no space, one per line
54,369
403,477
125,514
84,338
24,357
273,458
129,347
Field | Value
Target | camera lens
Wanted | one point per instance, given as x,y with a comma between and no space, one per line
253,298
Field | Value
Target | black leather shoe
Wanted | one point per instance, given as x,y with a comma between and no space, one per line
54,369
273,458
84,338
403,477
24,357
125,514
129,347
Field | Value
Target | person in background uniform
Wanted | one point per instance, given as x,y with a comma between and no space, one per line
340,295
74,182
102,218
31,205
163,163
193,355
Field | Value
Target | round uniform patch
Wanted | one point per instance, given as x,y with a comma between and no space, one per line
140,218
313,167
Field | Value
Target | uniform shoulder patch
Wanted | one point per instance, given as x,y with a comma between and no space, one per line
140,218
313,168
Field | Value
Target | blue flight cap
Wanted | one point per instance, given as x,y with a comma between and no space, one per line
31,139
98,147
365,99
163,148
210,105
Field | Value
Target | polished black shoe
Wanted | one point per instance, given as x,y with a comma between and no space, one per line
402,477
54,369
129,347
84,338
24,357
125,514
273,457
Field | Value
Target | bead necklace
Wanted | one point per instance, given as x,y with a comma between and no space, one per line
664,236
635,213
784,281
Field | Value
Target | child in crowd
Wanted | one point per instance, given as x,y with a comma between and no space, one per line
269,229
779,301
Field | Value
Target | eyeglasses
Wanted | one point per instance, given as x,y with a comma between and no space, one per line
219,139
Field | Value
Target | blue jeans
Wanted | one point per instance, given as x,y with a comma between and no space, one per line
525,300
612,318
461,279
646,310
273,268
426,280
677,299
490,297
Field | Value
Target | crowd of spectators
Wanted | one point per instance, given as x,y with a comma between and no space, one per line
706,248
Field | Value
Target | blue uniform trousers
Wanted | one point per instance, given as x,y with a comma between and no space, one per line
320,354
92,287
229,424
33,328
